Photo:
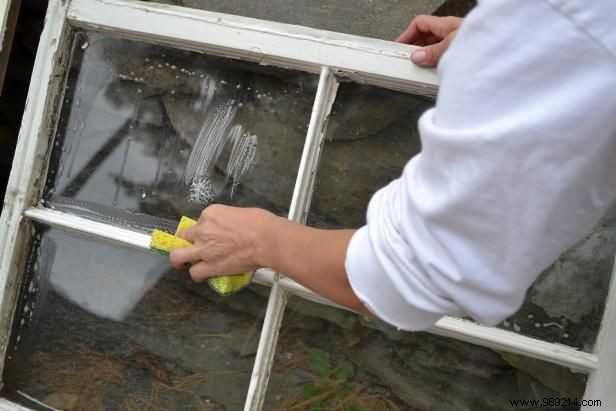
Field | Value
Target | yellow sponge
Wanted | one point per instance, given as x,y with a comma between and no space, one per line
185,222
165,242
224,285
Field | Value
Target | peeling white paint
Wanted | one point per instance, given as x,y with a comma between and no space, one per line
26,174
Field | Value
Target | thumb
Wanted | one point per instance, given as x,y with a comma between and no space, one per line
429,56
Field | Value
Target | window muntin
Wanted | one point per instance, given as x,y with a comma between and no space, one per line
113,328
150,131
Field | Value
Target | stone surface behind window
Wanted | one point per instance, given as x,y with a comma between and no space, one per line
330,359
384,19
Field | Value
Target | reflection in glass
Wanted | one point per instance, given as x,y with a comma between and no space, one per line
147,133
373,133
103,327
331,359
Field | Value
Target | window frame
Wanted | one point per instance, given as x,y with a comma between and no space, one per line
334,57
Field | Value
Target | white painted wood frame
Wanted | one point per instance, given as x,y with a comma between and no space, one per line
333,55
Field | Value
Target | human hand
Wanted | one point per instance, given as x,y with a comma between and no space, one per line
434,34
226,240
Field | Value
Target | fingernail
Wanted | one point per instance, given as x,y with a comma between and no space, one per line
418,57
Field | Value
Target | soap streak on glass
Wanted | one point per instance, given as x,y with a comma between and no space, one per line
243,156
206,151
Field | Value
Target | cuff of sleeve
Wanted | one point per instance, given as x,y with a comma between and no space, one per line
376,290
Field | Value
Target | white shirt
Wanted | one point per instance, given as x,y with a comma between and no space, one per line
518,162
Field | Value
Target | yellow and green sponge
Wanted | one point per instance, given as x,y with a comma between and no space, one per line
163,243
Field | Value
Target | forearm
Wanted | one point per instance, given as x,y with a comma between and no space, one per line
312,257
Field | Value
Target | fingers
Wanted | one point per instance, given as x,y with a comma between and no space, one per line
410,35
189,234
439,27
180,257
202,271
429,56
426,30
434,34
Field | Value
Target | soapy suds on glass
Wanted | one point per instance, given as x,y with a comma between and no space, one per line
215,134
243,155
221,146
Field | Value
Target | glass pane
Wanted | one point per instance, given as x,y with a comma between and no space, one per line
147,133
373,133
379,19
103,327
329,359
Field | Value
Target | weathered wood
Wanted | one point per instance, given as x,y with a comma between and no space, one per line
9,14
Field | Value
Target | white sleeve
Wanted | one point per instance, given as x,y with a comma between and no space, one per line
518,162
